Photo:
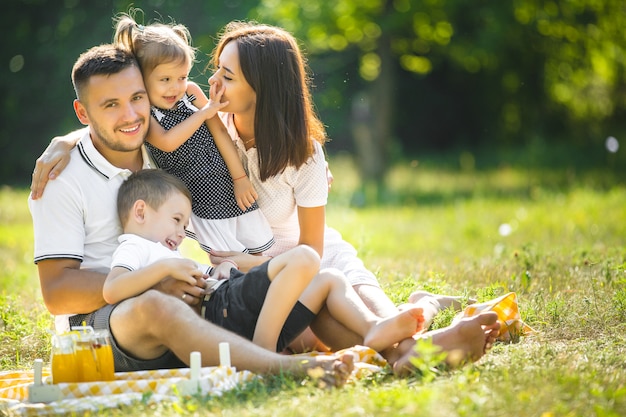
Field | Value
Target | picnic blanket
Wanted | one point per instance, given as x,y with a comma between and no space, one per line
511,324
133,387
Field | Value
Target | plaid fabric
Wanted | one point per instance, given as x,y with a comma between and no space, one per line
507,309
129,387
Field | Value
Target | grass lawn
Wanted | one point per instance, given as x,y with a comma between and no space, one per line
558,239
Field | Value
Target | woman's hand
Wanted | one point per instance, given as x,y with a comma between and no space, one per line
244,261
52,161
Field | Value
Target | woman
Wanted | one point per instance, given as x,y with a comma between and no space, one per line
271,118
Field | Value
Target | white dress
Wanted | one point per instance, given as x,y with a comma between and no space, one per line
279,198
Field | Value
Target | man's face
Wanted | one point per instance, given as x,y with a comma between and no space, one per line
117,109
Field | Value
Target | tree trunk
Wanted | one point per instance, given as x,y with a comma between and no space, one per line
372,128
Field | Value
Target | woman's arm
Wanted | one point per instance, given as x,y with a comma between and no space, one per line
53,160
170,140
312,222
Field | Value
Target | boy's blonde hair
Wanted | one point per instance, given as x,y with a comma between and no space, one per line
154,186
154,44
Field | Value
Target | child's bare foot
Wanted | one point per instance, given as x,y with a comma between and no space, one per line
329,371
393,329
466,340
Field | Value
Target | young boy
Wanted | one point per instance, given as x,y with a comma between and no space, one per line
270,305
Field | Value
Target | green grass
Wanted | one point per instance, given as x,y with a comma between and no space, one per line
439,229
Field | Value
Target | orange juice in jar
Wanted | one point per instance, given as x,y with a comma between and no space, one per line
104,355
63,359
86,359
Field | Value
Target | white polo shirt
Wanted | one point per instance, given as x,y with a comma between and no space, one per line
76,218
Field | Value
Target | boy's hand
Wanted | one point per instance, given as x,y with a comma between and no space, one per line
184,281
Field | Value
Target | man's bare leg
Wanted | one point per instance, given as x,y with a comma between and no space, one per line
150,324
466,340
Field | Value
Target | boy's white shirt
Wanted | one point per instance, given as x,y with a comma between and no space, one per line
136,252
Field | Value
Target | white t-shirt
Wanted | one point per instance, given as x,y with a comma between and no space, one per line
135,252
279,198
76,218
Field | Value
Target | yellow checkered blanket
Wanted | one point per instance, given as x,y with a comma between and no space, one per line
130,387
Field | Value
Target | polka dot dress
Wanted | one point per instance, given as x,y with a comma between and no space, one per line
199,164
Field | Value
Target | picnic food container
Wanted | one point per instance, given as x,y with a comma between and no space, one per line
82,355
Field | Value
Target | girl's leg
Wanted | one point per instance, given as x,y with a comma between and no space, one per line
290,273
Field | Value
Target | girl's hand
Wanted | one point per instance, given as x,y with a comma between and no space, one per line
245,195
52,161
215,103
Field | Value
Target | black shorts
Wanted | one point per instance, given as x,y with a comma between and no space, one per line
236,305
99,319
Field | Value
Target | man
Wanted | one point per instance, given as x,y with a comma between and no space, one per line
76,229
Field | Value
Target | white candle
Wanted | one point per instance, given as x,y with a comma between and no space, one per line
224,354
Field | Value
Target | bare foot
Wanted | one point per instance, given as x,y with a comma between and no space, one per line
391,330
466,340
444,301
329,371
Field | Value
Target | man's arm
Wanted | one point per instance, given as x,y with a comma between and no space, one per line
67,289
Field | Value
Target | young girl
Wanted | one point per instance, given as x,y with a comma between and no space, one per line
225,213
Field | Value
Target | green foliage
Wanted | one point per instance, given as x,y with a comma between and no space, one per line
431,75
569,234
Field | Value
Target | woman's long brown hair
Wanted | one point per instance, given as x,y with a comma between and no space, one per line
285,121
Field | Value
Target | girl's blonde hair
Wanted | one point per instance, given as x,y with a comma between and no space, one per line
154,44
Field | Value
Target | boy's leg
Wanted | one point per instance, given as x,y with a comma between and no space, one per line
290,273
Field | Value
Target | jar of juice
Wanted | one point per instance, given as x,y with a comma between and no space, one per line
94,355
104,354
63,359
86,359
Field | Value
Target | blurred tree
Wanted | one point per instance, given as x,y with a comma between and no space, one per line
393,77
444,74
43,40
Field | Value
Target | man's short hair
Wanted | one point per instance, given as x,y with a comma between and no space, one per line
154,186
104,59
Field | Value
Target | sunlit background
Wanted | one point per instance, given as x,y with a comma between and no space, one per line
496,82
